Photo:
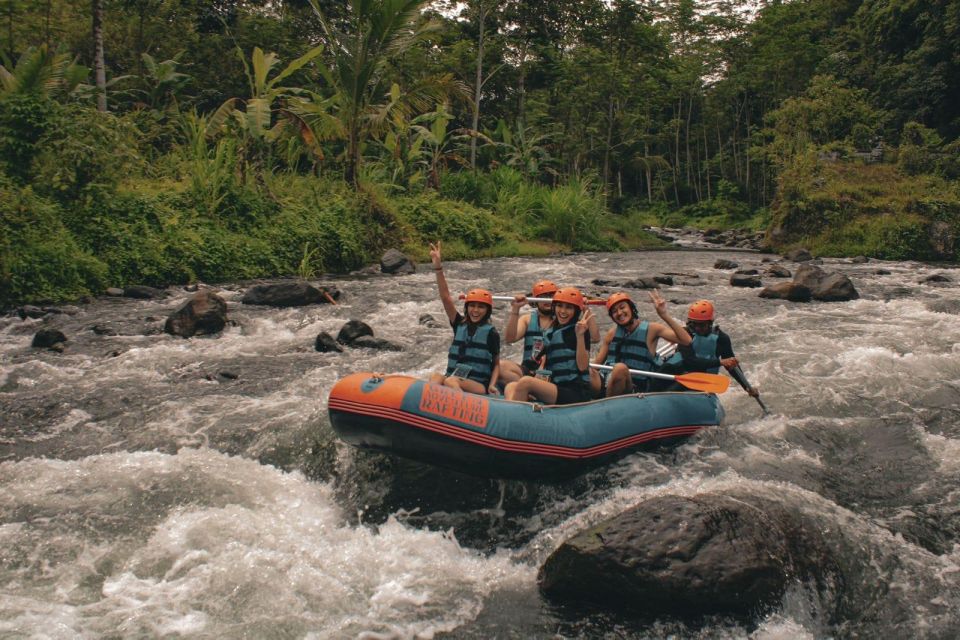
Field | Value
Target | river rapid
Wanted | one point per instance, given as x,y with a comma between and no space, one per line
159,487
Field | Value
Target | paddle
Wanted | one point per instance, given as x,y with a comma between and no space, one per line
741,378
709,382
510,299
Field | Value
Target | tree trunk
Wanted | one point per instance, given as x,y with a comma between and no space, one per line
478,85
676,151
649,171
606,150
686,136
99,69
706,159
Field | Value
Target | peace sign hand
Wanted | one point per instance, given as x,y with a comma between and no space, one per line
659,303
435,255
583,324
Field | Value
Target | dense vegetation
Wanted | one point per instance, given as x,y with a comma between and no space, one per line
178,140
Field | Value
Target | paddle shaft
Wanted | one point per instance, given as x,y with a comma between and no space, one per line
636,372
737,374
510,299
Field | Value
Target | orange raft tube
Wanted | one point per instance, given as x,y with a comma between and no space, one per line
491,437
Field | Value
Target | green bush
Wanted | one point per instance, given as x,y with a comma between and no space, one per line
39,258
83,149
24,119
437,219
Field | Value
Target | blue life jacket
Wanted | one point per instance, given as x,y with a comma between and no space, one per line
561,359
533,333
703,347
472,351
631,349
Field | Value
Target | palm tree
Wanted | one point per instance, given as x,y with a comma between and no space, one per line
40,71
268,96
377,32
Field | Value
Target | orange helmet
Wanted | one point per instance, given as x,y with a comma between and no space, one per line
479,295
570,295
543,289
616,298
700,310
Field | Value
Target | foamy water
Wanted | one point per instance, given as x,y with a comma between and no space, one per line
145,494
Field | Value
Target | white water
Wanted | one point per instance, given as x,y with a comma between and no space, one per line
167,500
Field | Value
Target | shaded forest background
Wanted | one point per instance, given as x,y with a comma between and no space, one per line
167,141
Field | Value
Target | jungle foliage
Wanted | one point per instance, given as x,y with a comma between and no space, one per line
247,138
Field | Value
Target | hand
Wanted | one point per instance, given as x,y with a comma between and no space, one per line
435,255
729,363
583,325
659,303
519,301
492,390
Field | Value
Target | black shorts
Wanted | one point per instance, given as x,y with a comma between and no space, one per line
574,392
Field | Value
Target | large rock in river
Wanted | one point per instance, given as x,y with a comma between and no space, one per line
686,556
204,313
289,294
827,287
394,261
787,291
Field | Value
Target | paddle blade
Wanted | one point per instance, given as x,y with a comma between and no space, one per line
709,382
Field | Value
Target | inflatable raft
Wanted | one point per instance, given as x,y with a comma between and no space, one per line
497,438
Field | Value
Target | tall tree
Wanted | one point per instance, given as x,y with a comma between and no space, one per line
374,32
100,73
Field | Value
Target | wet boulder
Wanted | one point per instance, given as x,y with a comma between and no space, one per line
725,264
676,555
777,271
826,287
289,294
370,342
325,343
644,282
427,320
203,314
859,260
353,329
142,292
744,280
394,261
799,255
30,311
787,291
935,278
664,280
747,272
48,338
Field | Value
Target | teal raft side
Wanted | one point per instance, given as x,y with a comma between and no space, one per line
584,425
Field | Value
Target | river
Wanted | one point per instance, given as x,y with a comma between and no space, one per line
159,487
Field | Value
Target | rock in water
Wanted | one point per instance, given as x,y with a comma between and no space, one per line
204,313
352,330
285,294
675,555
393,261
47,338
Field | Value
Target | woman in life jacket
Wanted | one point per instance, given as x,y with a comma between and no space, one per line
531,328
473,361
632,344
563,377
710,348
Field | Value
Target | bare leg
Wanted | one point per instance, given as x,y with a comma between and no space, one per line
527,386
470,386
510,371
619,381
596,384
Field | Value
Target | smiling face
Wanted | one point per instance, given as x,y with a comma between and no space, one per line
476,311
564,312
621,313
545,308
700,327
